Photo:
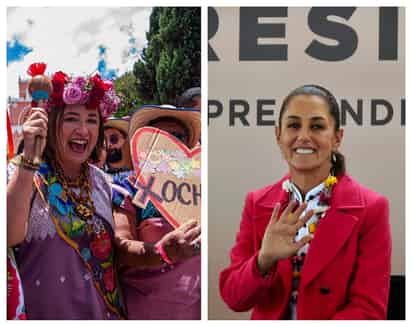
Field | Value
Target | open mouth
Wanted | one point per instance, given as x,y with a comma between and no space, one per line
78,146
304,150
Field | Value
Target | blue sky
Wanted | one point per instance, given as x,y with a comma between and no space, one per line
77,40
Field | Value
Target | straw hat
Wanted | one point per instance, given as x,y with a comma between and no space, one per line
188,116
122,124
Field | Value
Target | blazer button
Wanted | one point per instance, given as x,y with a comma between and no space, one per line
324,290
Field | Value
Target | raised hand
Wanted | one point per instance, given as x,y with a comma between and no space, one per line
279,238
35,125
183,242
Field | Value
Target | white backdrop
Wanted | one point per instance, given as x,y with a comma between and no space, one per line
242,158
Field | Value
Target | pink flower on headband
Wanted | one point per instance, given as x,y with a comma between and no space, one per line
72,94
80,81
109,103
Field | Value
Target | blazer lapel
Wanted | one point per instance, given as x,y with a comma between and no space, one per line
331,234
334,229
265,205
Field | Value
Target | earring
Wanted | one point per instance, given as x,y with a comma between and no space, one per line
334,157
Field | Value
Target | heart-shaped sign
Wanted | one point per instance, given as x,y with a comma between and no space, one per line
167,174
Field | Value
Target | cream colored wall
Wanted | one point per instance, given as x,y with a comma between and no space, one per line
246,158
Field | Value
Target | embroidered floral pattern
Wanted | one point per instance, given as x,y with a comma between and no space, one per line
40,226
91,238
169,161
101,246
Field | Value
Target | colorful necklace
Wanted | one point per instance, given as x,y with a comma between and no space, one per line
324,197
83,203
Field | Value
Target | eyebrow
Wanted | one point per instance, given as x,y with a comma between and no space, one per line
311,118
72,113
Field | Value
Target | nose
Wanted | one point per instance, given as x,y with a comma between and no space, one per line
109,146
304,134
82,129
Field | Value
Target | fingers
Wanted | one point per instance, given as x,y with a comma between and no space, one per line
304,240
288,210
32,132
36,113
275,212
192,234
304,220
187,225
36,124
291,216
294,217
38,110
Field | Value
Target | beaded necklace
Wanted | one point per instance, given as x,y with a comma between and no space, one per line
83,203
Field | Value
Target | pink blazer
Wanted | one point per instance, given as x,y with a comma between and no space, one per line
347,269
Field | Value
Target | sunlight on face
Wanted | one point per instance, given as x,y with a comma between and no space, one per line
78,134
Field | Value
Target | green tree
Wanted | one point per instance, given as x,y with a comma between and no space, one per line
126,89
170,63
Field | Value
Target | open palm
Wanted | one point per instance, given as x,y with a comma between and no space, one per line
279,238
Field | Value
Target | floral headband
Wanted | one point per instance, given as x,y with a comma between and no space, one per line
90,91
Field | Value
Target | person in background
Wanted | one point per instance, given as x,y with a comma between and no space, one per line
118,158
191,98
100,161
316,244
171,290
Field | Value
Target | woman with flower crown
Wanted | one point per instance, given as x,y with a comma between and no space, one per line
316,244
60,219
59,214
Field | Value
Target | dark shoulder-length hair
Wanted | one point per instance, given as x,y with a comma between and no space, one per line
337,158
55,118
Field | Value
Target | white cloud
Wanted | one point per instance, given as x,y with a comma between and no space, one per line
68,38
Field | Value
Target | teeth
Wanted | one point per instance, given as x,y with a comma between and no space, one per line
304,151
81,142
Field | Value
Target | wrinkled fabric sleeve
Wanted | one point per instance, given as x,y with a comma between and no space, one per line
122,194
369,289
242,286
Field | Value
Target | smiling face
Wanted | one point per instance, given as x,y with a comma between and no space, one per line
77,133
307,135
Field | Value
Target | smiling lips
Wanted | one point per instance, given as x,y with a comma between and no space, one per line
304,150
78,145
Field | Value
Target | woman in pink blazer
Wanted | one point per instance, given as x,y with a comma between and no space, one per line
315,245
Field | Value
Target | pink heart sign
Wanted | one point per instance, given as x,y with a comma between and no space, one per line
167,174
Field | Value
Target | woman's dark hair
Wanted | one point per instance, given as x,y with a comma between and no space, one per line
54,124
337,158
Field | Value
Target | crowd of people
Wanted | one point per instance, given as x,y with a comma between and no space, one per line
78,247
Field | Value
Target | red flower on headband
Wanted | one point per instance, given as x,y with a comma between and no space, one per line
96,93
37,68
108,85
58,81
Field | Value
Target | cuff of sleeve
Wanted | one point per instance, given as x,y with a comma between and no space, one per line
257,274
